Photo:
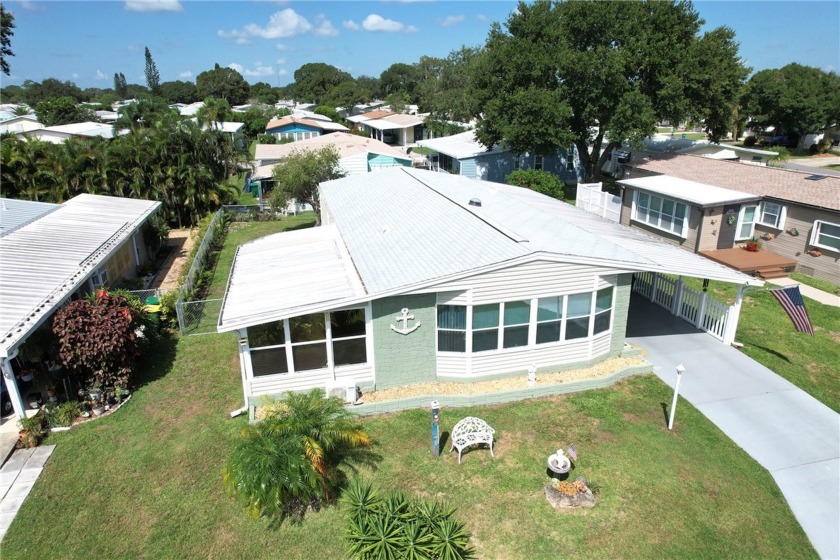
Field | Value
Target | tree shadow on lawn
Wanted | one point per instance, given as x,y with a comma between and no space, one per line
157,360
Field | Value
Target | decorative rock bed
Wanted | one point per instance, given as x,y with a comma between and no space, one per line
562,494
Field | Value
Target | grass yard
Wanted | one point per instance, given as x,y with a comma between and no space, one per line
145,482
769,338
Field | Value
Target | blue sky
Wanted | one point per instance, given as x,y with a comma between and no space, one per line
87,42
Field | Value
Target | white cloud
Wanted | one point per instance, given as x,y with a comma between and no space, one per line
451,20
325,27
153,6
75,75
282,47
412,29
482,17
350,24
375,22
283,24
280,61
100,75
259,70
186,74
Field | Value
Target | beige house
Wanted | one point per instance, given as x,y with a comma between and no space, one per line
712,207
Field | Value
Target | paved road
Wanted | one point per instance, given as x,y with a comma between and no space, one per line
791,434
814,165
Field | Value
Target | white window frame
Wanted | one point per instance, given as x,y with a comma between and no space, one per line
99,278
780,213
815,235
635,215
741,215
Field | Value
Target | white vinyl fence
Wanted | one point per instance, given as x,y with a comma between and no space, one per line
591,198
698,308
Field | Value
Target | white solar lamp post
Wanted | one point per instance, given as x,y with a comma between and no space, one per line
680,370
435,428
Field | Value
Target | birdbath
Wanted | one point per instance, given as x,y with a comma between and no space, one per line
558,462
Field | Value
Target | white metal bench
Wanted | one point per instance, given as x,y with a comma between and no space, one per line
471,431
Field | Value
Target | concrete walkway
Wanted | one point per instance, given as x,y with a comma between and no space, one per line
788,432
823,297
17,477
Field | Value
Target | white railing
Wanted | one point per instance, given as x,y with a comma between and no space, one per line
591,198
698,308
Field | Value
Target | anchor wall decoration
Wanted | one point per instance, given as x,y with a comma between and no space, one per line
405,318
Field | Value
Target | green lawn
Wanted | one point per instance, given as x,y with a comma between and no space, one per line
768,336
815,283
834,167
145,482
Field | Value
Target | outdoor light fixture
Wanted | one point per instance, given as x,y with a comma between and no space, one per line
680,370
435,428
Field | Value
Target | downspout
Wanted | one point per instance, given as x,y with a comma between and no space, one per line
11,385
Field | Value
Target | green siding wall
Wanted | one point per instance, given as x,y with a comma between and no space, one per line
620,312
404,359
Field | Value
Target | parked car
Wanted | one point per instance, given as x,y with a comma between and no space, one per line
789,140
5,400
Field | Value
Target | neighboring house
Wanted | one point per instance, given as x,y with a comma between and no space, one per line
189,110
356,155
58,134
710,207
107,116
301,129
18,125
666,144
232,129
396,129
417,276
53,253
462,154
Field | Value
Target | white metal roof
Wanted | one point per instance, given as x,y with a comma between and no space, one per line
17,213
404,229
44,261
344,143
287,271
689,191
458,146
88,128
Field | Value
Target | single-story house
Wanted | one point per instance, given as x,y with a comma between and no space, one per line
708,206
21,124
58,134
418,276
301,129
397,129
53,253
463,154
667,144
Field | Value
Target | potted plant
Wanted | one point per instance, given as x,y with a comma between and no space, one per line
95,392
753,244
121,393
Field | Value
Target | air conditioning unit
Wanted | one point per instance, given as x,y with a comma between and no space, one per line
348,392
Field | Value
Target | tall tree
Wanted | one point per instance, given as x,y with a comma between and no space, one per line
794,98
36,92
400,77
152,74
298,175
55,111
346,95
179,92
120,85
597,74
224,83
213,111
7,23
315,79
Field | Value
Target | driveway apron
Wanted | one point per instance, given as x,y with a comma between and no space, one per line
787,431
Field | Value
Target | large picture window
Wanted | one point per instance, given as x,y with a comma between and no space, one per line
772,215
662,213
306,340
826,235
500,326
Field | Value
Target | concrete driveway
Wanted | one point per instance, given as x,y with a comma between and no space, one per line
791,434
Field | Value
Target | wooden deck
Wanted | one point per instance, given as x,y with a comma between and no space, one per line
760,263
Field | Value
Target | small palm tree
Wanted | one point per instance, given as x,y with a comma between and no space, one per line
295,459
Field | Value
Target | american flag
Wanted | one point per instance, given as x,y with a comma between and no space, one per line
794,306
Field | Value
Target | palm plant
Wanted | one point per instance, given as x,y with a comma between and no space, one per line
295,459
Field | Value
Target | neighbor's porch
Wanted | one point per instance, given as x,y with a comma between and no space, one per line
762,264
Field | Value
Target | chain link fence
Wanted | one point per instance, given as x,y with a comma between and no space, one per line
198,317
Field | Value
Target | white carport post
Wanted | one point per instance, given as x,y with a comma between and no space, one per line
11,386
733,316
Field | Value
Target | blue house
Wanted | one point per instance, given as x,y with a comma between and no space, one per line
302,129
462,154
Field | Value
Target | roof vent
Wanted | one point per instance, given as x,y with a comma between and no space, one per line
815,177
475,202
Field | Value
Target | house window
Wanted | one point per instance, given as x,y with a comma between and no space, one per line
498,326
772,215
517,162
538,162
662,213
452,328
99,278
746,222
826,235
306,341
570,158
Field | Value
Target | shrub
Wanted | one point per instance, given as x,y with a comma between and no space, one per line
824,145
63,414
536,180
294,459
782,155
750,141
394,526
